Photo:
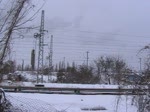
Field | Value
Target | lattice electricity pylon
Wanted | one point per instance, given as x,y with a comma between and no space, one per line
50,57
40,36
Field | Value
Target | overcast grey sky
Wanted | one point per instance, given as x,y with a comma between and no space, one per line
102,27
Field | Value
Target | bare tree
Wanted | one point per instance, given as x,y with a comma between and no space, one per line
120,69
143,101
111,68
13,20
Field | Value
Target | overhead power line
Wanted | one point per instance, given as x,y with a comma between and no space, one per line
102,33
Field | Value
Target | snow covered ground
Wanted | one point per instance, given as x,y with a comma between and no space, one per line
72,103
34,102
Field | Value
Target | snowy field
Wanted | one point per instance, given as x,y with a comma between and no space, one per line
71,103
35,102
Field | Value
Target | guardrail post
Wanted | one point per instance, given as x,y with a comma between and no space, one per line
77,91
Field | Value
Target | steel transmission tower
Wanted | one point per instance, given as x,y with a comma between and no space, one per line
50,57
40,36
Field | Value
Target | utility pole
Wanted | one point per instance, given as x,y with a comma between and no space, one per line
87,59
50,57
22,65
40,36
64,61
140,66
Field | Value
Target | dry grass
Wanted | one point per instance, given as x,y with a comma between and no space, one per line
96,108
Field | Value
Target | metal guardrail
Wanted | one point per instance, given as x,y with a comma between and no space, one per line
72,90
